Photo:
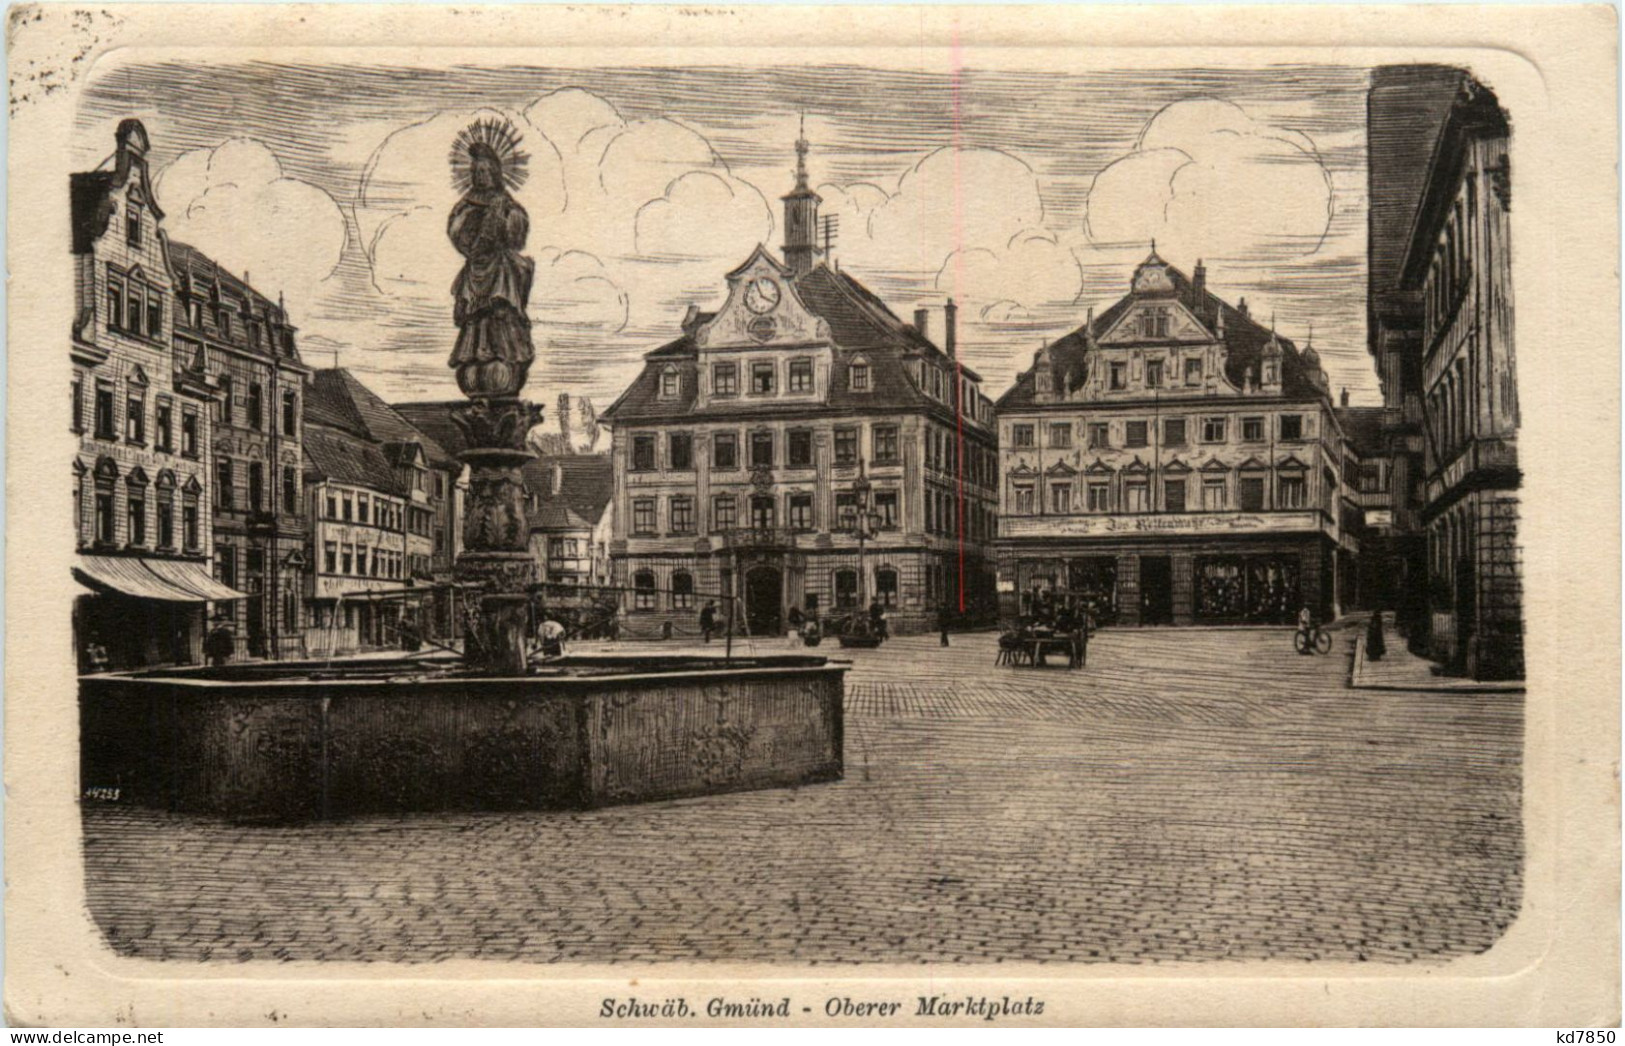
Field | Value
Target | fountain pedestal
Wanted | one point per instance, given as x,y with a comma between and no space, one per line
496,569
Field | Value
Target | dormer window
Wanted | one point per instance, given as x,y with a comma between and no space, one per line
1155,323
858,375
132,227
669,383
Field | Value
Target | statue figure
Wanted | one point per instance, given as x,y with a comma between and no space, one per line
488,227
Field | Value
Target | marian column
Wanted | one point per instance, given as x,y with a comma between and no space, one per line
492,359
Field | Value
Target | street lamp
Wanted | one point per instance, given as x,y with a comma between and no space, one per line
864,522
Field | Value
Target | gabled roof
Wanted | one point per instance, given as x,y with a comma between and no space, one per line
338,399
344,457
860,324
90,192
1244,338
199,276
1363,426
586,482
433,419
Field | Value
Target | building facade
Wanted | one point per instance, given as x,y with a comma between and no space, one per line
568,501
372,507
1458,265
1174,462
447,502
801,447
141,414
244,343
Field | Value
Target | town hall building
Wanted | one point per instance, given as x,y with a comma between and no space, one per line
802,447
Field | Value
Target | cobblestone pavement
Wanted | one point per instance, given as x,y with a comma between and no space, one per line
1190,795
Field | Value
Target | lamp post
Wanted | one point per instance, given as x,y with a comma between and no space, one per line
863,522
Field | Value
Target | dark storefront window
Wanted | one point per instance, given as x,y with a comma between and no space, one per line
846,588
1256,589
1093,581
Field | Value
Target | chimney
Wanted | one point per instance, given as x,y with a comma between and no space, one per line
1343,398
950,314
556,483
1241,307
922,321
690,316
1199,277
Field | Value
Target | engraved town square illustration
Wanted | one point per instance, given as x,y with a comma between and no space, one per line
795,514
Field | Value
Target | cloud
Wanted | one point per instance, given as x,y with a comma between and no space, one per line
1207,180
702,215
581,298
234,203
1031,271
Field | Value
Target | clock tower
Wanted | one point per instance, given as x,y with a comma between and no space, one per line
801,215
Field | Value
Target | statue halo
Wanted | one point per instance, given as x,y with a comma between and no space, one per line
502,139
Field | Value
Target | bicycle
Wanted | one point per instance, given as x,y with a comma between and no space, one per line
1312,638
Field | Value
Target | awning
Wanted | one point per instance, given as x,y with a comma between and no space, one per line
161,579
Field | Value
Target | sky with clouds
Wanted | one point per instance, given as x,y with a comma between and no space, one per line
1027,197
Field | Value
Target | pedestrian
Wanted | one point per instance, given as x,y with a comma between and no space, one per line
877,618
796,618
943,617
1375,646
708,619
219,646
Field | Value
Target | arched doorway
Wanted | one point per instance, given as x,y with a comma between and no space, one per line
764,601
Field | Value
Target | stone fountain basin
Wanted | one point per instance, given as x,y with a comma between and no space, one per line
318,739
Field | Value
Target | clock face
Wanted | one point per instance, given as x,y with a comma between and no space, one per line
761,295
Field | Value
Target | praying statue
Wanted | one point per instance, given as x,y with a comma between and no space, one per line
488,227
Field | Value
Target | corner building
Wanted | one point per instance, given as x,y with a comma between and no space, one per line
1176,463
742,452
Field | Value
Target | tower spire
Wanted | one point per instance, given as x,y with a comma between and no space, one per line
801,155
801,249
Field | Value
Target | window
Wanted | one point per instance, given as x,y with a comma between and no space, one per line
104,411
132,310
115,304
132,227
682,514
643,516
1252,430
725,450
136,507
1250,494
1119,375
761,450
725,379
1173,495
361,561
362,506
1060,498
1291,426
885,444
846,510
643,453
135,419
155,315
290,489
290,413
801,375
1193,370
1153,374
332,505
682,590
256,486
886,508
1135,434
189,443
225,399
222,483
643,590
1291,492
886,586
763,512
1099,435
1099,497
78,404
1060,434
1173,432
680,450
846,446
670,383
225,565
189,528
1213,494
104,517
1024,499
1021,435
800,511
724,512
1213,430
1138,493
762,379
846,588
858,376
165,424
799,451
166,520
1155,323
